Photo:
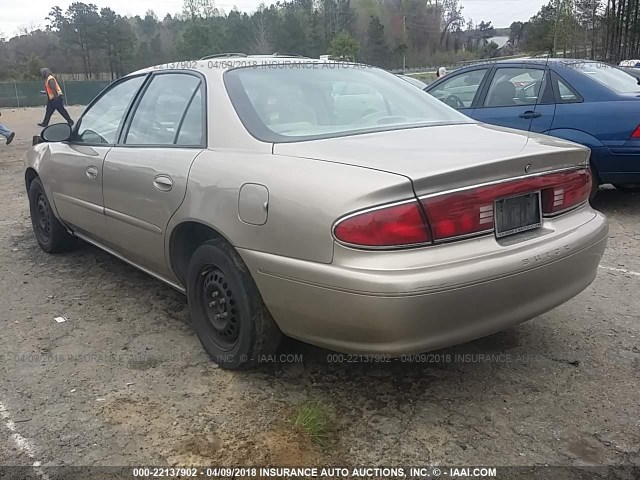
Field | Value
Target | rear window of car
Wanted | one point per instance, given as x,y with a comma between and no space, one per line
611,77
288,103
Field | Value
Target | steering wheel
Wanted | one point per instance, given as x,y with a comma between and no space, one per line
454,101
522,94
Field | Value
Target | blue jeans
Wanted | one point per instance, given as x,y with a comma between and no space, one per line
4,131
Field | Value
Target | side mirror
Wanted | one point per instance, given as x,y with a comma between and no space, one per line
58,132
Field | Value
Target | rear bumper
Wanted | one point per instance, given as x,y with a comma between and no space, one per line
409,310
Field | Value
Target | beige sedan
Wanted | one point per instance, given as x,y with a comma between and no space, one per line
333,203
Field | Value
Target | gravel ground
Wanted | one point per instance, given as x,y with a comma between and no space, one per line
124,380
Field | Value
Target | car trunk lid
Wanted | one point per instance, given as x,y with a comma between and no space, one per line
441,158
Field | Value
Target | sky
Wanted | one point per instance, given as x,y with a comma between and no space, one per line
15,14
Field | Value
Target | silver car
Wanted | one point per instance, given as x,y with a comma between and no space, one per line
334,203
414,81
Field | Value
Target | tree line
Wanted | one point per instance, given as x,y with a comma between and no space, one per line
84,41
606,30
87,42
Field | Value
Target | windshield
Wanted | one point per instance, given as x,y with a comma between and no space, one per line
611,77
284,103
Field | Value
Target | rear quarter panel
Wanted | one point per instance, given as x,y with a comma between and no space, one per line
595,124
305,199
604,115
601,126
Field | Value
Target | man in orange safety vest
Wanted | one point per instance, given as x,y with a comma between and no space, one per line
54,98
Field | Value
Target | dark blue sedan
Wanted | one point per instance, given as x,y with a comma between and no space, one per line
587,102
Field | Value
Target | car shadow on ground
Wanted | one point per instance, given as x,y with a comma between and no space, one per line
294,359
611,201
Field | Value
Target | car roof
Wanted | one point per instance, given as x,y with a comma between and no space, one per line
532,61
220,63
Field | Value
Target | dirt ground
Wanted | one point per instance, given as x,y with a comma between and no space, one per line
124,381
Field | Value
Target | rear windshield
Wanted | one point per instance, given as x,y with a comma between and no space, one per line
284,103
611,77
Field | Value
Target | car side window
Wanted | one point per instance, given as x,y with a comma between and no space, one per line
191,132
566,93
100,124
161,110
515,86
460,90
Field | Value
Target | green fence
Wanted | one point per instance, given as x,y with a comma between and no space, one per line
27,94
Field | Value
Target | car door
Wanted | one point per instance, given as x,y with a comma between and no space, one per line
145,175
518,96
77,165
460,90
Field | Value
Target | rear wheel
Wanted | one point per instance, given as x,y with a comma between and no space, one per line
227,311
50,234
628,187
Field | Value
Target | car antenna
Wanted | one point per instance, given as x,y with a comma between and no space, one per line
546,69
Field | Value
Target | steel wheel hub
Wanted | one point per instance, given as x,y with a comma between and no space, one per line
43,218
220,307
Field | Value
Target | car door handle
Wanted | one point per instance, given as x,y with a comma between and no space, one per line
528,115
164,183
92,172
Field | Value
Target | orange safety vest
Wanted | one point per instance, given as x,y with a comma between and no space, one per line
48,88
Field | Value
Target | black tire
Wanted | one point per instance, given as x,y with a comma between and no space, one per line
595,184
227,311
627,187
50,234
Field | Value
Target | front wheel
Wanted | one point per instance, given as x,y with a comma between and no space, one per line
50,234
227,311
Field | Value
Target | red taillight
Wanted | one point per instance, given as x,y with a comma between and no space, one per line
470,211
394,226
636,133
569,189
461,213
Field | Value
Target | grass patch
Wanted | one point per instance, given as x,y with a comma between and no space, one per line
315,421
426,77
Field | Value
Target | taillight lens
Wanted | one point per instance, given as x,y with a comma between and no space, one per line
393,226
569,189
470,211
462,213
636,133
